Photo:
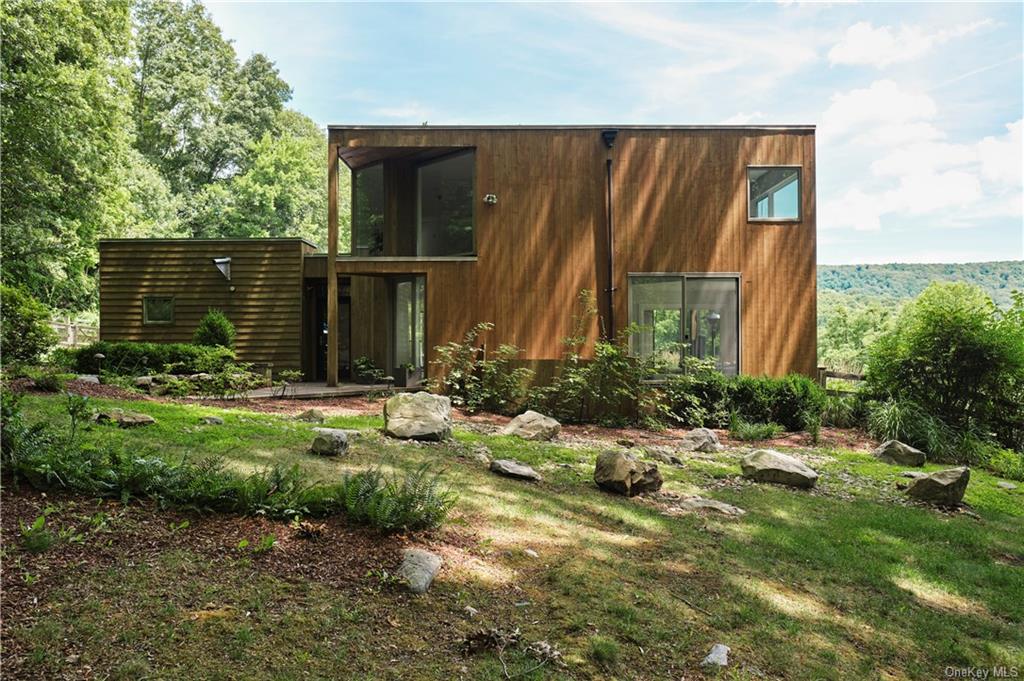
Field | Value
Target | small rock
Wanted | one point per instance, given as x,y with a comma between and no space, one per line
329,442
768,465
662,454
700,440
622,473
418,569
482,453
311,416
625,442
531,553
418,416
531,425
470,611
143,382
1009,486
514,469
899,454
88,378
914,475
124,419
945,487
718,657
695,504
212,420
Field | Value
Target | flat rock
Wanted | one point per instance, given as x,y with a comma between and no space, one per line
899,454
718,657
662,454
311,416
418,416
212,420
88,378
514,469
482,453
1006,485
768,465
696,504
124,419
532,425
700,440
622,473
418,569
945,487
914,474
143,381
329,442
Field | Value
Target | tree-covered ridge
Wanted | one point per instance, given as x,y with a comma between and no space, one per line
897,282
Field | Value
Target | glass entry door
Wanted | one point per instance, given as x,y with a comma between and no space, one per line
684,314
409,321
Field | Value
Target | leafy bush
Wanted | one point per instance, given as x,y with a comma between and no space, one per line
478,383
908,422
49,379
25,332
413,501
741,429
844,411
699,396
958,359
126,358
794,402
215,329
365,371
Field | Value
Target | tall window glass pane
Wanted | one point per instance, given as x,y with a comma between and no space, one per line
712,321
409,322
774,193
368,211
445,206
656,305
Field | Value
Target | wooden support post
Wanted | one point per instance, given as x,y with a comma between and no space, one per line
332,257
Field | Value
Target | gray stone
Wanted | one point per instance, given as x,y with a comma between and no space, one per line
768,465
418,569
124,419
212,420
695,504
1009,486
88,378
329,442
418,416
201,376
945,487
311,416
531,553
718,657
531,425
700,440
899,454
470,611
662,454
914,475
143,381
482,453
623,473
514,469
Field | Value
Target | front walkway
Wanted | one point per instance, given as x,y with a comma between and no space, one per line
314,391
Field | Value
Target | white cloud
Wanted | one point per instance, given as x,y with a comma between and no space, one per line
884,106
1001,157
864,44
742,118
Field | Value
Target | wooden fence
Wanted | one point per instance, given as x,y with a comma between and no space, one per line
825,374
72,334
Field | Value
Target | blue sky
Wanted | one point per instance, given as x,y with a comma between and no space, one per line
919,106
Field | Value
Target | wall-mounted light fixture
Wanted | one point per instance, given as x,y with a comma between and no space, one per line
608,136
490,199
224,265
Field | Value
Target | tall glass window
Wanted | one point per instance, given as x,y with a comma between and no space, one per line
682,315
774,193
410,322
368,210
444,190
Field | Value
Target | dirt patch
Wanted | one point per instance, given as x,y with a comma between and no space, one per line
112,392
330,406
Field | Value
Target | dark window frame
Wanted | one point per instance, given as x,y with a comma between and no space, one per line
156,322
799,190
472,202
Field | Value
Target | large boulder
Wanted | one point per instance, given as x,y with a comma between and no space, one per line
329,442
531,425
899,454
700,440
514,469
768,465
418,569
945,488
418,416
623,473
124,419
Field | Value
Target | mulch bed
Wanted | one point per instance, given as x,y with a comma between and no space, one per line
112,392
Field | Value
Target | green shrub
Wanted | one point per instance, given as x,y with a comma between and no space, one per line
415,500
365,371
844,411
476,382
908,422
215,329
126,358
699,396
794,401
35,536
740,429
958,358
25,332
49,379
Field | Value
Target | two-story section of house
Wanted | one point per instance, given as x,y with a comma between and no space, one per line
703,237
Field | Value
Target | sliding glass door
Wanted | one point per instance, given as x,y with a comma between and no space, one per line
686,314
409,321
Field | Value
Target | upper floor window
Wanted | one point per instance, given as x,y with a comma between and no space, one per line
157,310
444,197
368,210
773,193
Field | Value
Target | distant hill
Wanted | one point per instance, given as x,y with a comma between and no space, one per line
898,282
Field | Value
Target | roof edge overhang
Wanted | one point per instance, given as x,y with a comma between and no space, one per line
421,128
222,240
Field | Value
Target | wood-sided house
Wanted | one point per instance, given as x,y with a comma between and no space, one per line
703,236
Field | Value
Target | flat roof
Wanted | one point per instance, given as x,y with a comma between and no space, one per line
221,240
801,127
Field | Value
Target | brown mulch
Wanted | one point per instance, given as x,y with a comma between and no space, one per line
112,392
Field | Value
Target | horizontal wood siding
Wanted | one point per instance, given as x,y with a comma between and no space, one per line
265,305
680,206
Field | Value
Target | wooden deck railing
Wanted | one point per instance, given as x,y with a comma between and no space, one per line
824,374
72,334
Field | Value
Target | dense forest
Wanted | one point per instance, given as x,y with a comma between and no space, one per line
138,119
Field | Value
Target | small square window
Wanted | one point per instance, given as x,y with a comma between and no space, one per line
773,193
157,310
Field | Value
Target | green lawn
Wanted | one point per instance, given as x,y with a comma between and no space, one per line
846,582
